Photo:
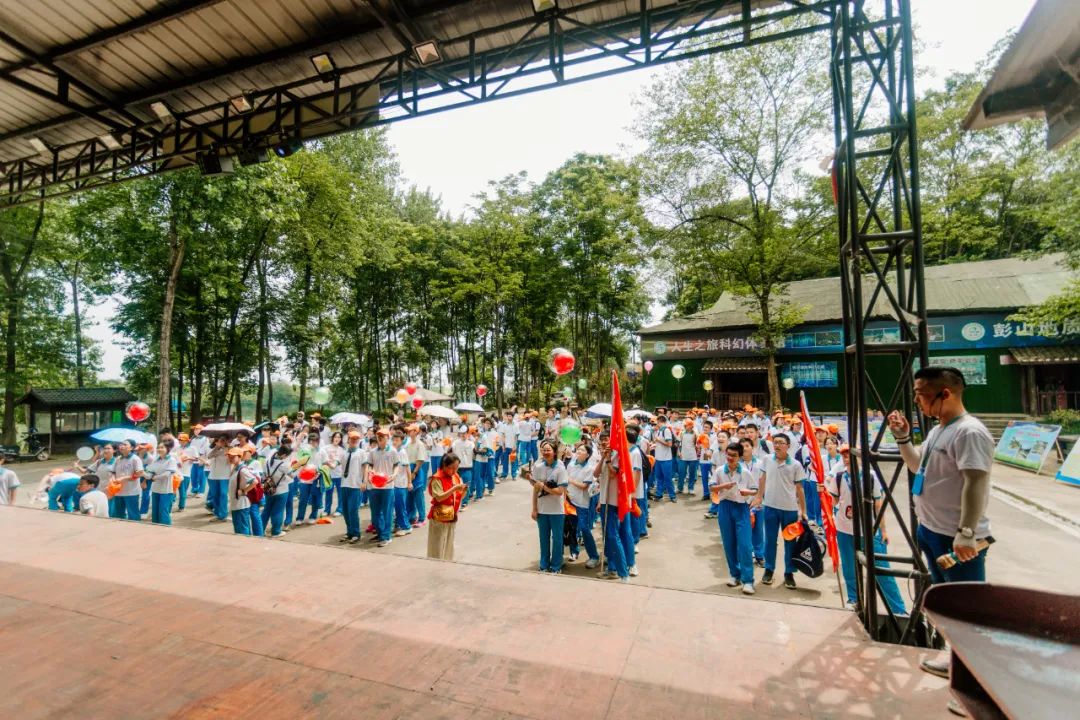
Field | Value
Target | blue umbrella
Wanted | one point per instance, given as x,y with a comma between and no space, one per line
119,434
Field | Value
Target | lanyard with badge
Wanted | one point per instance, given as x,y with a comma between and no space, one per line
920,476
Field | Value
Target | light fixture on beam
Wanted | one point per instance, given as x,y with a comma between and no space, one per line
542,6
162,111
324,65
241,103
427,52
287,147
109,140
39,145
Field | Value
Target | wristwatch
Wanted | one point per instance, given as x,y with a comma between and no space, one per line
966,533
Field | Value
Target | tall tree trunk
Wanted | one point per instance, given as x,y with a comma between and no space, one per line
197,360
13,276
80,379
176,260
305,350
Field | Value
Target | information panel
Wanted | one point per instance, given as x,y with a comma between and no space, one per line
1026,444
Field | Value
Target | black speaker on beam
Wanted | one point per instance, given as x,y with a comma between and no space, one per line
252,156
213,164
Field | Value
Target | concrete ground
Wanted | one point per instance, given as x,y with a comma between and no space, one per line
1035,520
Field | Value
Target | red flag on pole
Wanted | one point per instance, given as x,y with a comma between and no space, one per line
819,474
620,446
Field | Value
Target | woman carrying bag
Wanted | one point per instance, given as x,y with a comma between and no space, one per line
446,490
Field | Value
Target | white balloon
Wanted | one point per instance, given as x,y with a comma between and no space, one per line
321,395
678,372
84,453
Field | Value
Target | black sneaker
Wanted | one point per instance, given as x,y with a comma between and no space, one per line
767,577
674,500
789,582
759,562
648,523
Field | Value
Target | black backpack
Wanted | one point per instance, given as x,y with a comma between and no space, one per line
809,552
646,466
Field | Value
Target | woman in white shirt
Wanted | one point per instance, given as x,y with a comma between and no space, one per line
335,451
159,472
580,489
733,487
549,481
277,479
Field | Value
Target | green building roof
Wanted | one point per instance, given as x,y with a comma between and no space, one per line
986,285
73,397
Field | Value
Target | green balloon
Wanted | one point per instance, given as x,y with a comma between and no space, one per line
582,383
570,434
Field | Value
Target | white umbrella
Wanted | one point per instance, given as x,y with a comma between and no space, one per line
599,410
637,413
342,418
226,428
468,407
437,411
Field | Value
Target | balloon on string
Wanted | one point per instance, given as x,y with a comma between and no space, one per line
570,434
678,372
84,453
708,385
417,403
561,361
307,473
137,411
410,388
582,383
321,395
401,396
648,366
481,390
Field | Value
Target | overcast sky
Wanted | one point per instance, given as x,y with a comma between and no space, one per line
456,153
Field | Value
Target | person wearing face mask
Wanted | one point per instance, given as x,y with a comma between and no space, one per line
549,480
580,486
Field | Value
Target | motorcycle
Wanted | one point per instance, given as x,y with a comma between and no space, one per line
37,450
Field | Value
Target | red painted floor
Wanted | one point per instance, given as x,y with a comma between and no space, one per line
104,619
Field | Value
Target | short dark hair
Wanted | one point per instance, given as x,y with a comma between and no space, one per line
942,376
448,459
751,425
737,447
632,433
90,479
782,436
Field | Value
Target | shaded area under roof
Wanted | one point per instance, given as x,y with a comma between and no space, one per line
1052,355
960,287
1038,75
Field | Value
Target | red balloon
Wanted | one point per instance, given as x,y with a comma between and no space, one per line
410,388
481,390
561,361
137,411
417,403
307,473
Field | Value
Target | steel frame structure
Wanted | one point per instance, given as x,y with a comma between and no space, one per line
881,257
876,167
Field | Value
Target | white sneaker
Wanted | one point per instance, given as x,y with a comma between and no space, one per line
747,589
354,540
734,582
309,521
498,481
606,575
624,580
590,563
401,533
633,571
383,543
337,514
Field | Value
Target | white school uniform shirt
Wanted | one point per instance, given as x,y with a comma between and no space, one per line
401,472
662,452
334,454
465,450
509,432
8,482
550,504
238,475
383,462
525,431
743,481
435,444
839,486
218,468
780,479
161,471
583,474
185,459
352,467
103,470
95,504
199,446
278,470
123,467
688,446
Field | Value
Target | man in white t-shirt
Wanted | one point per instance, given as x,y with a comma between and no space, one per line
952,481
352,479
382,462
9,481
780,491
92,502
619,537
663,444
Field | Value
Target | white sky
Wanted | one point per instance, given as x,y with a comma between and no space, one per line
457,153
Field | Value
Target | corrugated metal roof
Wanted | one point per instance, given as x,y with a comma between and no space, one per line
67,397
960,287
194,54
1051,355
734,364
1038,75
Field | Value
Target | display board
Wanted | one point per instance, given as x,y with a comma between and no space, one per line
1069,472
1026,444
973,366
818,374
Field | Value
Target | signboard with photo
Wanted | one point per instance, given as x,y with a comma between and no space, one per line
1069,472
1026,444
822,374
973,366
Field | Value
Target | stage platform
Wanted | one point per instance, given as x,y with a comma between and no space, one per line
108,619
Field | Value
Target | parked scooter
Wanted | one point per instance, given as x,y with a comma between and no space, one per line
37,450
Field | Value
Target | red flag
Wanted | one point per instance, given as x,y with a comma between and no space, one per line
819,474
620,446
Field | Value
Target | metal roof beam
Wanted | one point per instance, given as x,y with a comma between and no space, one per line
161,14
